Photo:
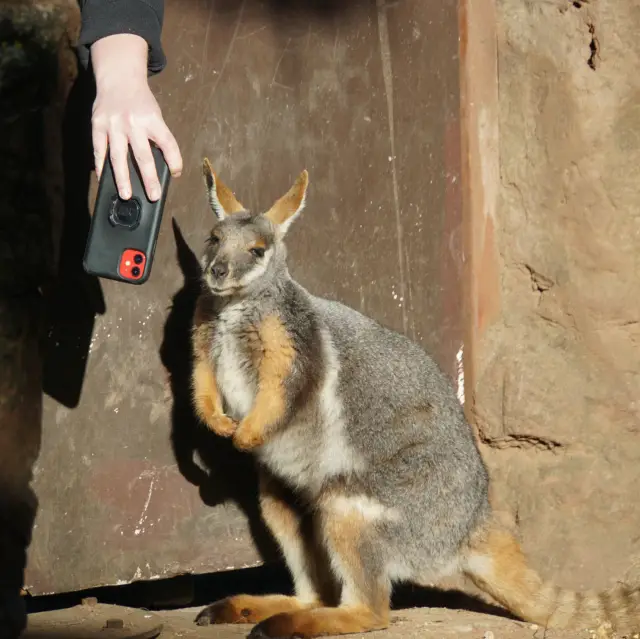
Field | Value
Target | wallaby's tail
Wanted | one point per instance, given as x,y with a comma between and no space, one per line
495,563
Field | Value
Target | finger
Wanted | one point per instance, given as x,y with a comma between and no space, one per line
99,138
146,164
161,135
118,146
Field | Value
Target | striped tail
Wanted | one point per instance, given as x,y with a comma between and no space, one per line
496,564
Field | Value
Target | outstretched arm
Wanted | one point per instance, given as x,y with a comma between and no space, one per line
121,39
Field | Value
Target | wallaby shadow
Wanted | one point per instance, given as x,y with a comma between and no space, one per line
225,474
75,297
409,596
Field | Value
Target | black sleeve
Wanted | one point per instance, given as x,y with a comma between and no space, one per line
101,18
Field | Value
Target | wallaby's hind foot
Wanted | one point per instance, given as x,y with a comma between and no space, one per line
320,622
249,609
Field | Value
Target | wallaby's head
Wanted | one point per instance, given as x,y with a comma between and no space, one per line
245,250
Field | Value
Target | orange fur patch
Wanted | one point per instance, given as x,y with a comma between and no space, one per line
507,559
499,567
225,195
344,534
206,397
278,515
275,352
227,198
305,559
207,401
289,203
496,564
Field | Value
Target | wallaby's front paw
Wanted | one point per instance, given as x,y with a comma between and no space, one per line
222,425
249,435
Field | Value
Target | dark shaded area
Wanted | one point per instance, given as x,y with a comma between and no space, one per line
315,9
224,474
75,297
28,79
267,579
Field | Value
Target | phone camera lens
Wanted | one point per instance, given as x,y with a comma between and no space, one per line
135,271
137,258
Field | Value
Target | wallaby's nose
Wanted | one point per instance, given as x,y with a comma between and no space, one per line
219,270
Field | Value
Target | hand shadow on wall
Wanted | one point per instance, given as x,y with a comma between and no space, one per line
228,475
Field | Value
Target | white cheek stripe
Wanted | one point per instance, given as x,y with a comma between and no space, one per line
258,271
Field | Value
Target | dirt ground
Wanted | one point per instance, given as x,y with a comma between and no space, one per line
423,623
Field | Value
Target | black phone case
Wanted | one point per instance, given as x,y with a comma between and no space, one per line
107,242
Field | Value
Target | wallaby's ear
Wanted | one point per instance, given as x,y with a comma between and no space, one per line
290,205
221,199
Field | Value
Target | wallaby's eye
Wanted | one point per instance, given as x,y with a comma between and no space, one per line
214,240
257,251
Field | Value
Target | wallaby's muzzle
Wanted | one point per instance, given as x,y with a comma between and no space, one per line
219,271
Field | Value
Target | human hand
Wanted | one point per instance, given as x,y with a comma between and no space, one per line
126,112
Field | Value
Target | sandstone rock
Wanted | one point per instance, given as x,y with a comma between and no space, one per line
558,373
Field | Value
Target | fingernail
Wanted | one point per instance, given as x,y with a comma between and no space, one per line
126,194
176,173
155,192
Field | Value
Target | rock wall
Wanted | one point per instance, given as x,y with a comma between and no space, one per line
557,368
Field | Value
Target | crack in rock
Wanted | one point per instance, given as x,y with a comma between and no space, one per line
541,283
594,48
522,442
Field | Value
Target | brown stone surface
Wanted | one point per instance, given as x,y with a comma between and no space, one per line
418,623
92,619
557,371
415,623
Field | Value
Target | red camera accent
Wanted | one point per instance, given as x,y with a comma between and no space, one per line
128,263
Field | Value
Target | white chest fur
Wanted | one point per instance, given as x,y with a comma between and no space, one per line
235,378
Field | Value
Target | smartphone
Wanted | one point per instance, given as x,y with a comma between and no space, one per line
123,233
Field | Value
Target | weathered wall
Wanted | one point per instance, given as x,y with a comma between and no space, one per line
557,351
368,101
365,95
